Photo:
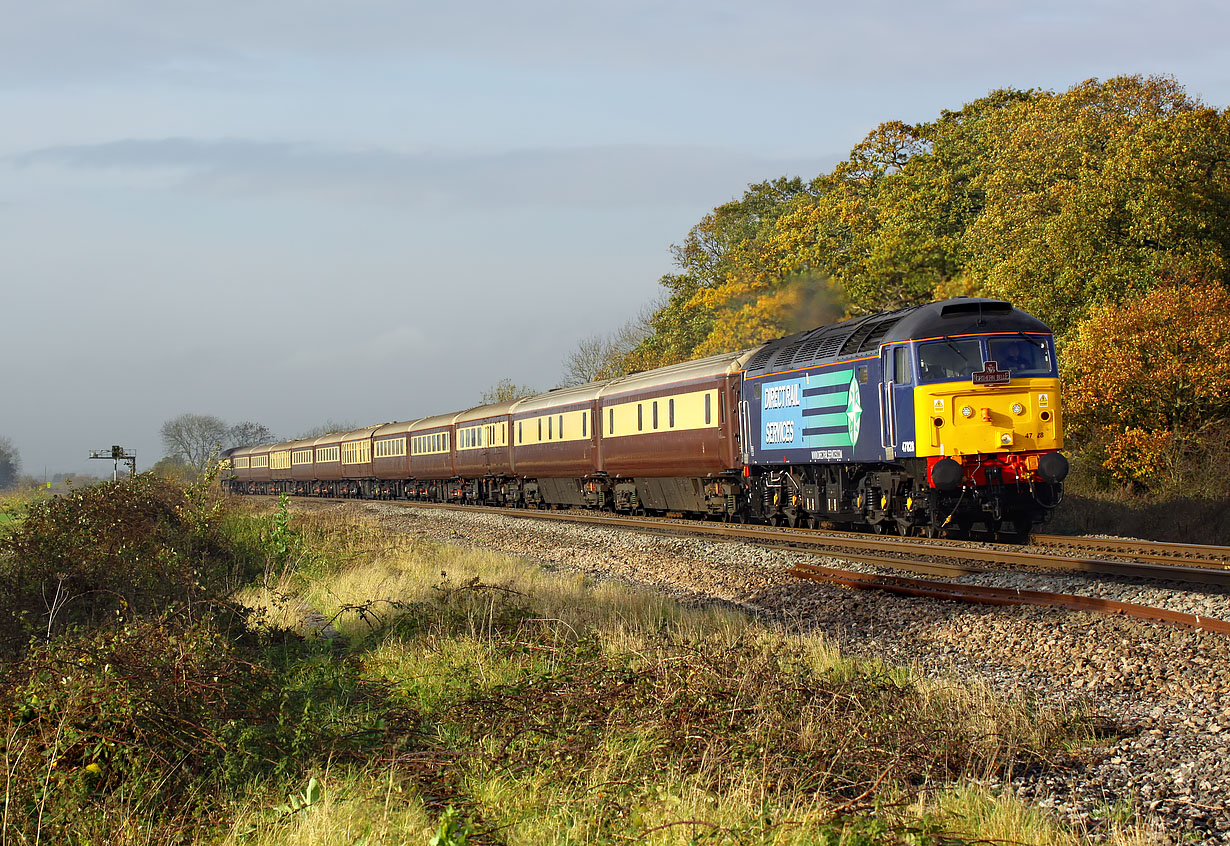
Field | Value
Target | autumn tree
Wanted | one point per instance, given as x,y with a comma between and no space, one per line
1098,192
606,356
1147,384
721,268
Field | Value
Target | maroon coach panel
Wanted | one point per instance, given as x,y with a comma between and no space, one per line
302,460
279,462
484,447
554,434
357,453
259,463
391,450
677,421
328,457
431,447
241,464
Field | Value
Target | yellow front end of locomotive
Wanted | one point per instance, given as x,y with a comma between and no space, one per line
958,418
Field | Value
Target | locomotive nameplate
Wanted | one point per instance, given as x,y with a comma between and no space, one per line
992,375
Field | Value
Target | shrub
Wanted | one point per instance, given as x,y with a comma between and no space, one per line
141,546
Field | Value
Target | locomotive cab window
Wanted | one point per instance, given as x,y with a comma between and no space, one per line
902,374
949,360
1022,355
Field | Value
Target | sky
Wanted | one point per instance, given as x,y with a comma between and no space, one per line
295,212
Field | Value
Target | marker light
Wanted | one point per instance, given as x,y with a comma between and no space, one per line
967,412
1006,439
1017,408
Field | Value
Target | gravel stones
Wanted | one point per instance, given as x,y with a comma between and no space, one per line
1166,690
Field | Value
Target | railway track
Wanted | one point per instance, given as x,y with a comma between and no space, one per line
1192,555
942,558
1136,559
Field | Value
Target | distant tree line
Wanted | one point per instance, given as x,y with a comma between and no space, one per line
10,464
192,440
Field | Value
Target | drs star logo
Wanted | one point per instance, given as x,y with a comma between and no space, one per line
854,411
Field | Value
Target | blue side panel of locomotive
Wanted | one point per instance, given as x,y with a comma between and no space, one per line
818,415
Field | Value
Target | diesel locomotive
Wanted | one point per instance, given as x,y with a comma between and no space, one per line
940,418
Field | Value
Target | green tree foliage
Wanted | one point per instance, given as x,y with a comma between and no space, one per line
1057,202
723,267
1100,192
1147,385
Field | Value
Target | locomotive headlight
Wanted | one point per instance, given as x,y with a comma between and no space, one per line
1017,408
967,412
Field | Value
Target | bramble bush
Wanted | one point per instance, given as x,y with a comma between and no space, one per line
134,689
116,550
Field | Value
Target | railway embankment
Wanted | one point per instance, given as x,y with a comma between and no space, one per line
1161,691
320,672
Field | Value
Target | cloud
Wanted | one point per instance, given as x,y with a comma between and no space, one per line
774,39
586,177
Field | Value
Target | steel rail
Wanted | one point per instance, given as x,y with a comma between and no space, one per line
1196,555
804,540
985,595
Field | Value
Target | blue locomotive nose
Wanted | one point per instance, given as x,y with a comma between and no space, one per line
1053,467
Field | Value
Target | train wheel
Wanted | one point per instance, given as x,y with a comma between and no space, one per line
1022,525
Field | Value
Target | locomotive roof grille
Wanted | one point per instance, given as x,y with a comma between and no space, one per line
979,307
864,335
867,336
761,358
785,355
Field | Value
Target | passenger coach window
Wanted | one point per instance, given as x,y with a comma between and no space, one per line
670,414
655,414
610,429
949,360
708,409
1023,356
640,418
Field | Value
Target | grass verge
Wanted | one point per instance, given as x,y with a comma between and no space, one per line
207,672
